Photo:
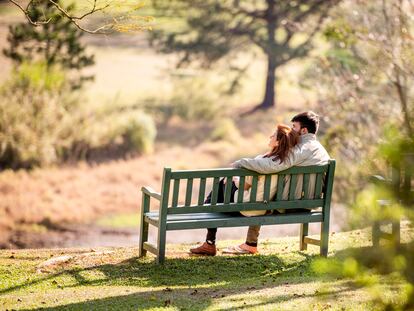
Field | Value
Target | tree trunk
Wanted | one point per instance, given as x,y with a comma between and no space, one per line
269,100
271,20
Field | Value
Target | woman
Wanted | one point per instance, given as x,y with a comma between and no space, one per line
281,142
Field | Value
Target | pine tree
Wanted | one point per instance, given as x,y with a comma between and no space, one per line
54,43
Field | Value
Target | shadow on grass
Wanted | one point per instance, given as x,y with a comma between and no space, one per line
183,299
192,271
213,278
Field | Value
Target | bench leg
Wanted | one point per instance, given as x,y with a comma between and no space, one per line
324,238
161,244
143,226
303,232
376,233
143,237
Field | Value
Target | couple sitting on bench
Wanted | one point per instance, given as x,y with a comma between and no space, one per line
296,146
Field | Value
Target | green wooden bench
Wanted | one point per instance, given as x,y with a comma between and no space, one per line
190,212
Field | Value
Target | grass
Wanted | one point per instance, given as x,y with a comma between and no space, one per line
280,278
123,220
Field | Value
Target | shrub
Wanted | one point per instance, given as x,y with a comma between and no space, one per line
113,132
35,117
226,130
42,122
140,132
192,98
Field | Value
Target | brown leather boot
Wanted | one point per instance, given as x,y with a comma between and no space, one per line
205,249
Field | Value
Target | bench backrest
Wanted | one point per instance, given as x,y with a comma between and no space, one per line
184,191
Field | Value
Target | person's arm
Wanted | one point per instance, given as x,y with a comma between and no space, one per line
268,166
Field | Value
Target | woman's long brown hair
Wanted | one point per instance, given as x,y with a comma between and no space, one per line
287,139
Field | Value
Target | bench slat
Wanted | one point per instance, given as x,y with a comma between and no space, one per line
280,184
292,186
227,191
235,207
176,190
223,216
318,186
189,191
253,189
266,195
202,191
241,189
214,193
306,178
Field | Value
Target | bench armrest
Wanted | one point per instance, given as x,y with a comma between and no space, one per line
151,192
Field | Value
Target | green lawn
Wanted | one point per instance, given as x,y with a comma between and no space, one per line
281,278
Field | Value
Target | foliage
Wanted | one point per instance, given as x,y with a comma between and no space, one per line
192,98
53,43
225,129
392,257
140,133
123,16
43,122
362,83
135,129
37,115
211,31
107,134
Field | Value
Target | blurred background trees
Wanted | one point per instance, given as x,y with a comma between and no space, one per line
56,43
363,83
210,31
43,119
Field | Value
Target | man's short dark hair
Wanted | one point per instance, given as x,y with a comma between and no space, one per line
309,120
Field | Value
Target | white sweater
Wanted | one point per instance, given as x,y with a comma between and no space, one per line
308,152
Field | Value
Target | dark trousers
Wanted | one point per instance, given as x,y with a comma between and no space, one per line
212,232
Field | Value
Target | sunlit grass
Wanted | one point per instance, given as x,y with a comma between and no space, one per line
279,278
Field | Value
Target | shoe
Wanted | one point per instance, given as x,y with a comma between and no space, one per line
242,249
205,249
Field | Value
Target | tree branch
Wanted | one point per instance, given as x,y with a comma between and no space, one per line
26,13
105,29
72,18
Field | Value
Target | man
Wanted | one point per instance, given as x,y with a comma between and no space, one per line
308,152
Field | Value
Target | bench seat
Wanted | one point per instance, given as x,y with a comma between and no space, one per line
218,220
